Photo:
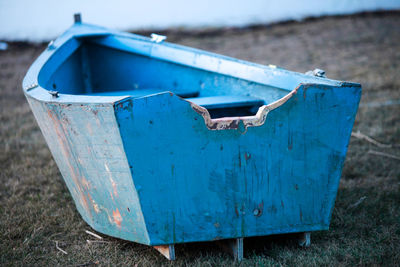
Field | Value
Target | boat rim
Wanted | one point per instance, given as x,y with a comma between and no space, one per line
77,31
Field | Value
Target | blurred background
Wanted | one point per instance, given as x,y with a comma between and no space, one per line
43,20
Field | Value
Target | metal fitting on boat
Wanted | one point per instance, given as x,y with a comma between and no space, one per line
317,73
157,38
77,18
54,93
51,45
257,212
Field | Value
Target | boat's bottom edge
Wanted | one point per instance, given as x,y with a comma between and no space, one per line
269,232
234,246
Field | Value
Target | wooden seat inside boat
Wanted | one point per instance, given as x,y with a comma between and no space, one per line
229,105
225,101
146,92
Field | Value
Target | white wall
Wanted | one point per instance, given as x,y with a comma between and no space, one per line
38,20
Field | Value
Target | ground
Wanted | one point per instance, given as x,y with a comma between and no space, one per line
37,211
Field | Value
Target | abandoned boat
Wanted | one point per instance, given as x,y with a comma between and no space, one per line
163,144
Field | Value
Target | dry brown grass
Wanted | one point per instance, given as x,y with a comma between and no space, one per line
36,209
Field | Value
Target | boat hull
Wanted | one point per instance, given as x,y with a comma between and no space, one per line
160,170
162,176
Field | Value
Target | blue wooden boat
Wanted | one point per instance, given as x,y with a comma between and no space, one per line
162,144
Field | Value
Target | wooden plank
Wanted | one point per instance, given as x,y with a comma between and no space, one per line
86,72
145,92
233,246
305,239
167,250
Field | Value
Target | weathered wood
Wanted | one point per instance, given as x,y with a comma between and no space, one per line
167,251
305,239
232,246
145,92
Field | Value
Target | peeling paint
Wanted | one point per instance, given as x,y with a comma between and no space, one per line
247,121
59,129
85,183
96,207
94,204
114,186
117,217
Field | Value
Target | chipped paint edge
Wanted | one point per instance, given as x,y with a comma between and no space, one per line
247,121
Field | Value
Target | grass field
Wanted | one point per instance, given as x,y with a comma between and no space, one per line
37,211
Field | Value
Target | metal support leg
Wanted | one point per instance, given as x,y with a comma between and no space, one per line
168,251
233,247
305,239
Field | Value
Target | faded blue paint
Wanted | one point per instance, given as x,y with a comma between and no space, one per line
197,184
86,145
146,165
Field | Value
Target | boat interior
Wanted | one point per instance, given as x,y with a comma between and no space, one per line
119,66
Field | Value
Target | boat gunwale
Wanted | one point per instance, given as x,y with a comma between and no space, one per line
79,31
